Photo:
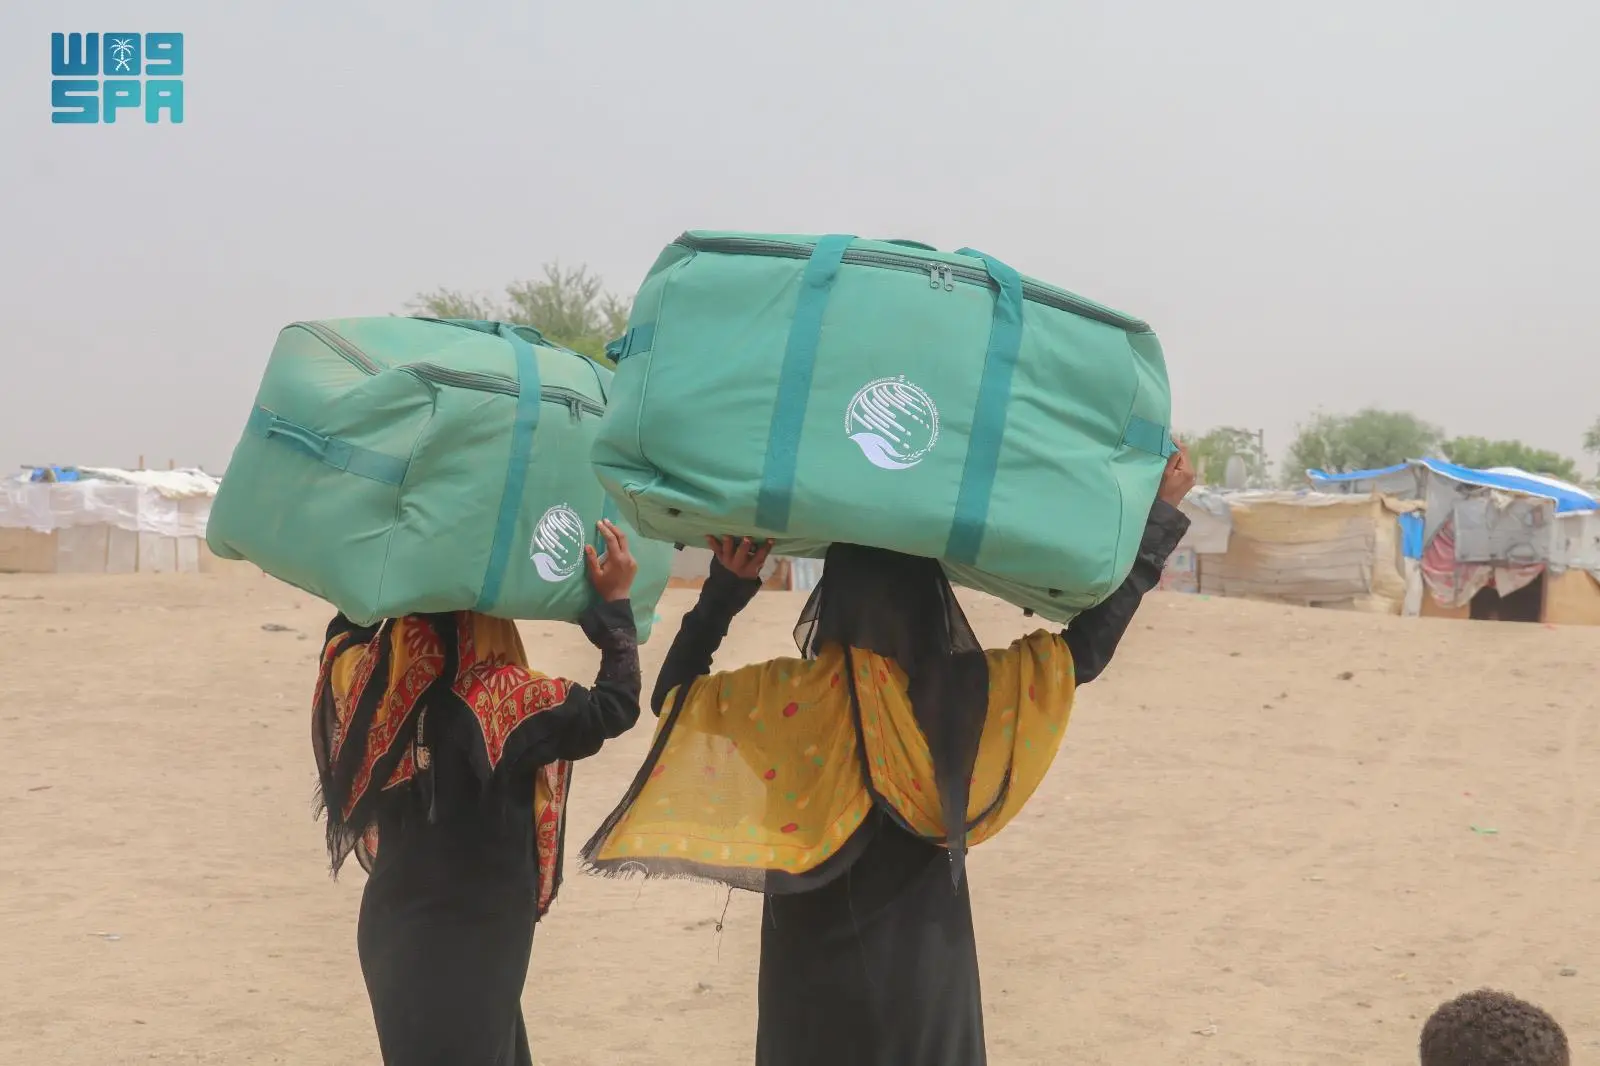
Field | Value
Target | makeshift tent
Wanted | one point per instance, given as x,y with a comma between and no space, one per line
1499,543
96,520
1307,548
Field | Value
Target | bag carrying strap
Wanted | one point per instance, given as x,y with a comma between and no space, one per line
794,383
1148,436
636,341
498,329
989,415
528,334
330,451
522,429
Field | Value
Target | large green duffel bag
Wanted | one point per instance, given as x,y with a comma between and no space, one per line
816,390
404,465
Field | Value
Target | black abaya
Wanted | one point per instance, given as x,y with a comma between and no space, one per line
453,893
878,966
446,929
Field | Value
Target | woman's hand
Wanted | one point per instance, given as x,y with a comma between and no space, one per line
1178,478
611,575
744,558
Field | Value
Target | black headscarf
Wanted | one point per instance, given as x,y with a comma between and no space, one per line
903,608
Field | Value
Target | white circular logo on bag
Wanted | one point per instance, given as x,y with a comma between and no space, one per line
893,422
557,548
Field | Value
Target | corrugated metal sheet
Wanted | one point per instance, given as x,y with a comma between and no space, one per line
1575,543
1510,530
1400,481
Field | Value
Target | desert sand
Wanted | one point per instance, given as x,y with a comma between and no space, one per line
1275,836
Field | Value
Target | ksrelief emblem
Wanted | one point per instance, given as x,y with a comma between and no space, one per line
893,422
558,541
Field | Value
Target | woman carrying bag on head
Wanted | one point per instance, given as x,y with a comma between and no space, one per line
435,739
825,782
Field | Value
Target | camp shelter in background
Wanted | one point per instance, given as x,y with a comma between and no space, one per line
1424,537
1311,549
1494,544
96,520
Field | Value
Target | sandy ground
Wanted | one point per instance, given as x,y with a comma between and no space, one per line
1275,836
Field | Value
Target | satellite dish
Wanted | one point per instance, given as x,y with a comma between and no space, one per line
1234,474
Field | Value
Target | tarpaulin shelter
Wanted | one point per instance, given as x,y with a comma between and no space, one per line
1500,543
1312,549
105,521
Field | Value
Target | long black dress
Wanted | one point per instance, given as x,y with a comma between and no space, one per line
459,880
879,965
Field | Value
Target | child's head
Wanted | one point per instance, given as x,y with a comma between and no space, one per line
1492,1029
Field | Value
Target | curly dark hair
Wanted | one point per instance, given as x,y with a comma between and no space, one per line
1488,1028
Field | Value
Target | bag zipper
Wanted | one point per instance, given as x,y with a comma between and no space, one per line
462,379
573,401
352,355
432,373
941,275
576,402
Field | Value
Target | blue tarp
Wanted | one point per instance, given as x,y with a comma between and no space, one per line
1568,499
1358,475
54,473
1411,526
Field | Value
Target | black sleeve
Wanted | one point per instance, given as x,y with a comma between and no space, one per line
589,717
1092,637
702,630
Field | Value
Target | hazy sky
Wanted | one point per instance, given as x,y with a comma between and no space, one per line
1315,204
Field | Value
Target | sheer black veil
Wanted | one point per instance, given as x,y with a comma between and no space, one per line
903,608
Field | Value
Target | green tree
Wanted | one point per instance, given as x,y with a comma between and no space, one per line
1367,440
1591,439
569,306
1481,454
1212,450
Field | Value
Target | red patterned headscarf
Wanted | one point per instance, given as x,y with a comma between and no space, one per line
376,687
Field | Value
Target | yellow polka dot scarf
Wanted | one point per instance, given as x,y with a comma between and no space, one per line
758,777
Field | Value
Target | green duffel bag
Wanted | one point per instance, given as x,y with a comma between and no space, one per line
829,389
403,465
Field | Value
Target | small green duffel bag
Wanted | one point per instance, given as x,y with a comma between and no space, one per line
405,465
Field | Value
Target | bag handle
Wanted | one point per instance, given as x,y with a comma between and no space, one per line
599,383
989,414
517,331
636,341
516,482
794,383
1148,436
910,244
484,325
330,451
309,441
